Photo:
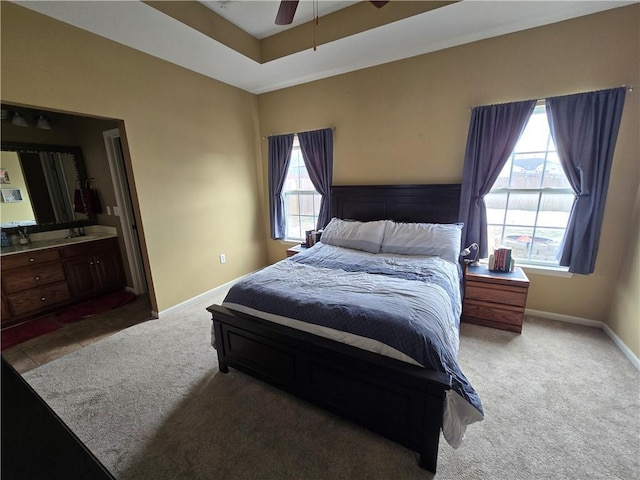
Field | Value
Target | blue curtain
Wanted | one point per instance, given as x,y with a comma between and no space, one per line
317,152
585,129
280,147
493,133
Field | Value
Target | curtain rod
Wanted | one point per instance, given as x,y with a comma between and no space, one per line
628,87
274,134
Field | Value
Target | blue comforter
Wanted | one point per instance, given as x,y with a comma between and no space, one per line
410,305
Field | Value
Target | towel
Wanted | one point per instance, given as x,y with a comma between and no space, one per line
78,205
86,201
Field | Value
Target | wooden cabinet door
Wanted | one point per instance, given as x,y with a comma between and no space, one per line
81,277
109,271
93,275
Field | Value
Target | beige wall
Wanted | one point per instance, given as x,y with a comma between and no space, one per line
625,309
406,122
192,144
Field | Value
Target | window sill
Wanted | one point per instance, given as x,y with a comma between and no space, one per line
562,272
549,271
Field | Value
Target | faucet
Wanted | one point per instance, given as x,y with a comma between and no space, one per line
77,231
24,235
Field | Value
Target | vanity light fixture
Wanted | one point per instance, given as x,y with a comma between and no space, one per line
18,120
43,123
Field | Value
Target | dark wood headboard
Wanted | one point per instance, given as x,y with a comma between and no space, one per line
402,203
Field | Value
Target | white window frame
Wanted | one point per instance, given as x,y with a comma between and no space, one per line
536,266
286,193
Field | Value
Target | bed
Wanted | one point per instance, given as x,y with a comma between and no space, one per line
389,384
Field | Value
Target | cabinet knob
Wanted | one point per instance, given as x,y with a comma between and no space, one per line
90,263
37,277
43,298
32,259
97,261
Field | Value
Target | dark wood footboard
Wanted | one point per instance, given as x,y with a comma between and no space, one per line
399,401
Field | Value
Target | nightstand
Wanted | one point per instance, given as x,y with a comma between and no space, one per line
495,299
295,249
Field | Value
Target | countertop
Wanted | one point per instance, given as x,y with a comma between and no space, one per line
52,243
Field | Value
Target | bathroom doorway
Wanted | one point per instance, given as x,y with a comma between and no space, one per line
124,209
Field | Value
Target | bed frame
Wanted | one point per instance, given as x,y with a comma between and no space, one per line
400,401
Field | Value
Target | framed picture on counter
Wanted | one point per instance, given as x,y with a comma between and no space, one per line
4,176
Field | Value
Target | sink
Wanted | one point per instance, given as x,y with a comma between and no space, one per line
84,238
62,241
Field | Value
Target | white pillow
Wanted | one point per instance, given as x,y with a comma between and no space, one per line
441,239
365,236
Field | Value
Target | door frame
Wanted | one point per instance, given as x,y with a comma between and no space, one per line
127,218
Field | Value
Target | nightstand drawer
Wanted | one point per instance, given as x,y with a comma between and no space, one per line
485,311
504,295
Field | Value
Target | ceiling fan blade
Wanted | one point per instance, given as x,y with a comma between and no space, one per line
286,12
379,4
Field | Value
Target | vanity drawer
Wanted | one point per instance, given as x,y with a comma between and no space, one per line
32,276
30,258
38,298
87,249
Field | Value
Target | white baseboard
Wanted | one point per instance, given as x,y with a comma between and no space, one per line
622,346
633,358
564,318
213,291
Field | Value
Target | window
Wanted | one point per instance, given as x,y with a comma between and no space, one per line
301,200
528,206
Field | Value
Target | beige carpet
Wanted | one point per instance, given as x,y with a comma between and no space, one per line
561,402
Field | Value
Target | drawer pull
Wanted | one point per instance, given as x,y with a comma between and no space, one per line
43,298
37,277
32,259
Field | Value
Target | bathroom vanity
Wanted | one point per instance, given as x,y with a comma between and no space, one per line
47,274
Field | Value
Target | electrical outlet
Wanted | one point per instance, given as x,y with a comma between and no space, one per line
116,211
223,258
108,210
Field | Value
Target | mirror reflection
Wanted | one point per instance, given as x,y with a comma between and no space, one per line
43,186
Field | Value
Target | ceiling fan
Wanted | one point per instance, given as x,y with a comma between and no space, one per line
287,11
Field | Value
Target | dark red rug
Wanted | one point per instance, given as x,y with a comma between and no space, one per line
94,306
26,331
39,326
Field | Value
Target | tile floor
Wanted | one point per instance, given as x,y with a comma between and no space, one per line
74,336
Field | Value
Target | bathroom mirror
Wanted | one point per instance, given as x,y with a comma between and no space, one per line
39,184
